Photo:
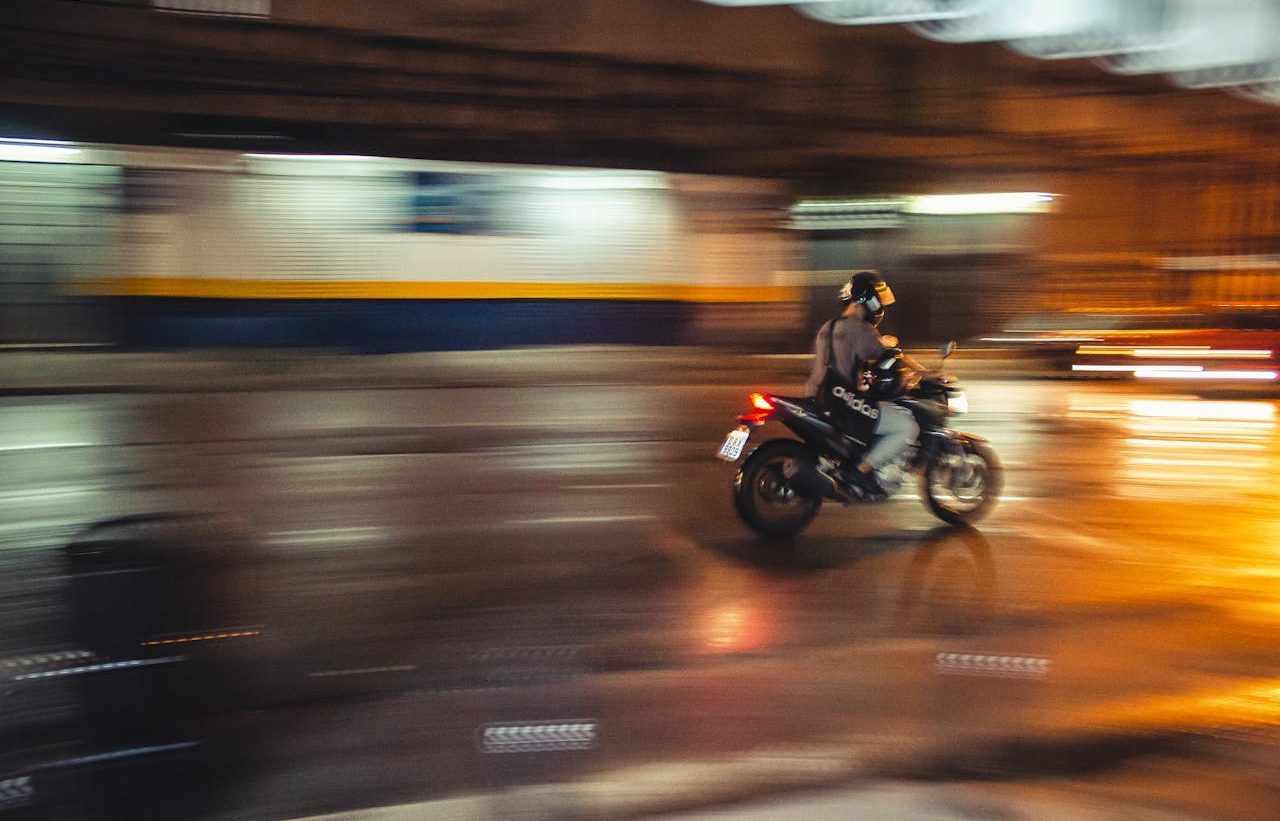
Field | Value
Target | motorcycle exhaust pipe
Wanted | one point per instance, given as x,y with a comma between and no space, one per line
810,481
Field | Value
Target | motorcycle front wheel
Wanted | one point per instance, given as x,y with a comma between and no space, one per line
964,489
765,499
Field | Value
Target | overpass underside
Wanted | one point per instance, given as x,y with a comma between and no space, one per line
760,93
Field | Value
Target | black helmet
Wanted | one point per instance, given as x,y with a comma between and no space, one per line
868,288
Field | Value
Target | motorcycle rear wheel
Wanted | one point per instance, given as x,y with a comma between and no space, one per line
763,497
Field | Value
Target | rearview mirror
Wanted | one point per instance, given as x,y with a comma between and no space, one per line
948,349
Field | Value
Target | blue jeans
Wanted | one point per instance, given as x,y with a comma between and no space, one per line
895,430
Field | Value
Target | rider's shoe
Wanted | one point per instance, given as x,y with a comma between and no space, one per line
865,482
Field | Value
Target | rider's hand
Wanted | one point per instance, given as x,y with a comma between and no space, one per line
889,341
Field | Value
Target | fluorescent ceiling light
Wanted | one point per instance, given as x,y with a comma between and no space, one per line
863,13
1018,202
36,150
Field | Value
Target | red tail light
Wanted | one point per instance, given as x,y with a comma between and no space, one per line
761,409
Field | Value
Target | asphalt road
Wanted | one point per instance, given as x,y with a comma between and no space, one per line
430,593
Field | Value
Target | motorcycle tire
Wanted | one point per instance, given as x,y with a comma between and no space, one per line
966,514
762,497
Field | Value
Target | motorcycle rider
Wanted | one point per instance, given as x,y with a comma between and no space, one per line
856,343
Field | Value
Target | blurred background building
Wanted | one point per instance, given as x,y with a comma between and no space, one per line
153,192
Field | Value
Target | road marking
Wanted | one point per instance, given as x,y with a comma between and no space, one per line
49,493
25,346
967,664
329,535
538,737
49,446
577,520
637,486
364,671
97,668
916,498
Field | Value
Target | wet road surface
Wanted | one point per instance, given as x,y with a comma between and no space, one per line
444,591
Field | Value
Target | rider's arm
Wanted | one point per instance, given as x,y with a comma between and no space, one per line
819,361
912,364
867,346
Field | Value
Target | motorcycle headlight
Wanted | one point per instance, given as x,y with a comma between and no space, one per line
957,402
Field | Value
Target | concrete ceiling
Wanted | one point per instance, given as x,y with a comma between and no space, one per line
666,84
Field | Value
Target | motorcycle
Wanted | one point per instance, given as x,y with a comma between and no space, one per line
780,487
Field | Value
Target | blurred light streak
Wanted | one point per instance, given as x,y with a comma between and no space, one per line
1202,409
45,446
1173,352
1129,350
18,150
1201,445
49,493
1134,368
1174,427
1018,202
1240,464
235,634
1255,376
312,157
1193,444
1037,339
1204,353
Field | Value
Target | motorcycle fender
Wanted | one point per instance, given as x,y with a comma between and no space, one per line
944,439
965,438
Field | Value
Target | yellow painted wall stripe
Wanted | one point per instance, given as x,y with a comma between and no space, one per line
209,288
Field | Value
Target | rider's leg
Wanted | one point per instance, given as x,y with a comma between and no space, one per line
895,430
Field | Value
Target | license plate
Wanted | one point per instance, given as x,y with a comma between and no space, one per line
733,444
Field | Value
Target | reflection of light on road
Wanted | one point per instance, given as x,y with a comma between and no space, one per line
1204,446
342,536
49,426
1248,464
735,628
1192,444
1197,443
1201,409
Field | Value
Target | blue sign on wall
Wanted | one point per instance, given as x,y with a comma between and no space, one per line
450,204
